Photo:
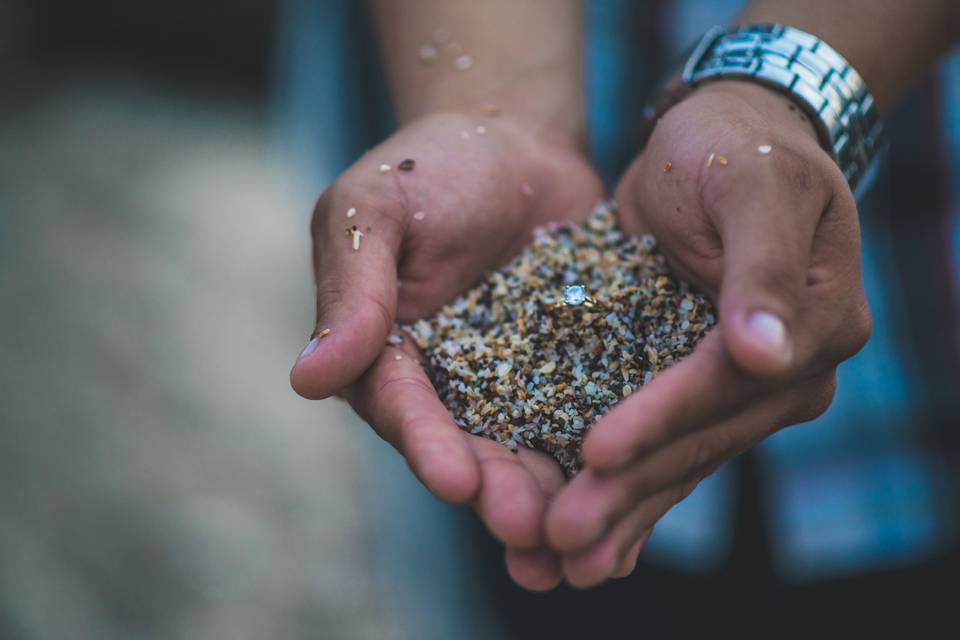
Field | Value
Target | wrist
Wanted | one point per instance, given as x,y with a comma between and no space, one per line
816,77
547,106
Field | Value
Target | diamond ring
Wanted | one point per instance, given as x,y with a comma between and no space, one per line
575,295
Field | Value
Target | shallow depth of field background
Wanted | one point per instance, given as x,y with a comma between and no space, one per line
158,478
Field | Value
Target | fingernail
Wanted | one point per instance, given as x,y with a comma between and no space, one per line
770,330
310,348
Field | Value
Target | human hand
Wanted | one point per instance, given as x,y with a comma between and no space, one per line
481,191
746,206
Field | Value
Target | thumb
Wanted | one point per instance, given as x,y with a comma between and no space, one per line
355,264
766,257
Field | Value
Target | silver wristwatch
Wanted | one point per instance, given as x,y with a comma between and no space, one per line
818,78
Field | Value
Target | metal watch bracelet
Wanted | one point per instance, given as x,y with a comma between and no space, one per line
818,78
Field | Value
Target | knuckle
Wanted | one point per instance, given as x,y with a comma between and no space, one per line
797,171
391,208
684,489
381,308
791,170
861,327
329,290
851,335
703,452
816,402
716,189
823,398
668,498
403,385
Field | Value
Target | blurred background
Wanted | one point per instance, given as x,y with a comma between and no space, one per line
159,477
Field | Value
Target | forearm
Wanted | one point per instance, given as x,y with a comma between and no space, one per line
889,42
523,58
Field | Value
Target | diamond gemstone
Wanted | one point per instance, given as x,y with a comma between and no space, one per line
575,295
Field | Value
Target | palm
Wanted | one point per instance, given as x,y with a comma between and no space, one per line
481,194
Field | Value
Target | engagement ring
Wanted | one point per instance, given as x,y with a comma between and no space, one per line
575,295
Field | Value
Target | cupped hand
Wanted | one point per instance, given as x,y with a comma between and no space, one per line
747,207
476,188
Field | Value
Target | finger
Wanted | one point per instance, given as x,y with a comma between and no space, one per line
356,290
767,208
397,399
607,557
538,570
593,504
702,388
511,502
544,468
629,562
843,324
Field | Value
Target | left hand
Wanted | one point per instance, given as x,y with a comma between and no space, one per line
773,239
483,194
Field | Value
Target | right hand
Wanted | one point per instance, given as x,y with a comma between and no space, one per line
481,196
772,237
